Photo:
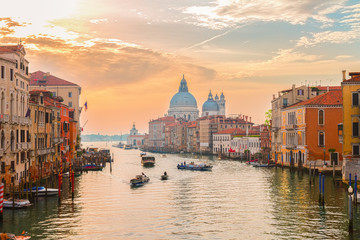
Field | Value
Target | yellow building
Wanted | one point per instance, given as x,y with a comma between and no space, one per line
349,130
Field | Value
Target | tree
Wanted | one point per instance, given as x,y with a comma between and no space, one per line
268,116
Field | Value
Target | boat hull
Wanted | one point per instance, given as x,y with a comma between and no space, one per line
195,168
164,177
19,203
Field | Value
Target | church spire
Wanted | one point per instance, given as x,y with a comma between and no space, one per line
183,85
210,96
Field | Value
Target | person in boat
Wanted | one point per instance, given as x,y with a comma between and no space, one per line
4,236
165,173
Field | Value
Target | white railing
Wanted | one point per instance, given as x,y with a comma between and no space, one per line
14,119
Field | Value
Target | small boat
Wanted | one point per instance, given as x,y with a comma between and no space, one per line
77,174
139,180
23,236
148,161
164,177
195,167
42,191
18,203
263,165
92,167
120,145
164,155
66,174
142,154
127,147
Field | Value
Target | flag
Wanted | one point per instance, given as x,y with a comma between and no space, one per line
28,113
85,105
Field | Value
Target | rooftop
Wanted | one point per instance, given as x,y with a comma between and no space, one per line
329,98
42,78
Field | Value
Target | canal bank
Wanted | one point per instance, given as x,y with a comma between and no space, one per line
226,202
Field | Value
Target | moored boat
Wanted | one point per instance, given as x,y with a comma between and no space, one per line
17,203
92,167
148,161
195,167
263,165
42,191
139,180
24,236
164,177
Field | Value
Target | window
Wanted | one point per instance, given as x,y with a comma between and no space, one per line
70,94
27,70
355,99
321,139
11,74
300,92
355,129
70,105
355,150
17,82
2,72
321,117
285,102
16,64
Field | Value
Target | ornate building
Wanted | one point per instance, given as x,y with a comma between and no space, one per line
214,107
183,104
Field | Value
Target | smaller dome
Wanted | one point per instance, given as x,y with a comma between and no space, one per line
216,97
210,104
222,96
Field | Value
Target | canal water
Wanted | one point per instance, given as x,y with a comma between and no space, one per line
233,201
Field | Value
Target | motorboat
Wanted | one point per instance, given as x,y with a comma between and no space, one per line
120,145
17,203
42,191
195,167
23,236
139,180
127,147
92,167
148,161
263,165
142,154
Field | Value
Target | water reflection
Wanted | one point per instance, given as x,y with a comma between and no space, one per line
234,201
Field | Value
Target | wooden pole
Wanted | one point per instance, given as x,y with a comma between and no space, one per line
13,195
310,174
72,185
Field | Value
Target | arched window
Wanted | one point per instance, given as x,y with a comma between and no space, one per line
321,117
2,142
12,141
11,105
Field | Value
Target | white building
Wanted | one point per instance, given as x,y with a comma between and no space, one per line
222,140
135,139
15,138
240,144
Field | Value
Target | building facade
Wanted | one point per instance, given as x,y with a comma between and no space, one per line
15,138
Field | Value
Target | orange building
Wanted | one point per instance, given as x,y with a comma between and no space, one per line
309,131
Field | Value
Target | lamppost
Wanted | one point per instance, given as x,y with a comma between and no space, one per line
324,150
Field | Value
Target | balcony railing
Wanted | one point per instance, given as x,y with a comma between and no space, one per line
290,146
14,119
4,118
290,126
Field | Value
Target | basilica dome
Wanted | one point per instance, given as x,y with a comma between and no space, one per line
183,98
210,105
183,104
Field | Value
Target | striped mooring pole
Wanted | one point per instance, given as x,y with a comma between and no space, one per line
1,200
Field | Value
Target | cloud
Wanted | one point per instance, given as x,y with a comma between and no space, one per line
228,13
8,25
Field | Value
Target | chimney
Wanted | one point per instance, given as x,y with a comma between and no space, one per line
279,94
344,75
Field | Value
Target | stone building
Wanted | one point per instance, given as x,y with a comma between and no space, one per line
15,138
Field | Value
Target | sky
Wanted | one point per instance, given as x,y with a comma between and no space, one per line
129,56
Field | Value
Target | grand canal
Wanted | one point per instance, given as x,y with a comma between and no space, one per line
234,201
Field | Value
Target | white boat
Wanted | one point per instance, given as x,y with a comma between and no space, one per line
139,180
42,191
18,203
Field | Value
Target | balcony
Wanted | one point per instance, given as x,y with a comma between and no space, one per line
21,120
274,129
14,119
290,126
4,118
290,146
27,121
29,145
